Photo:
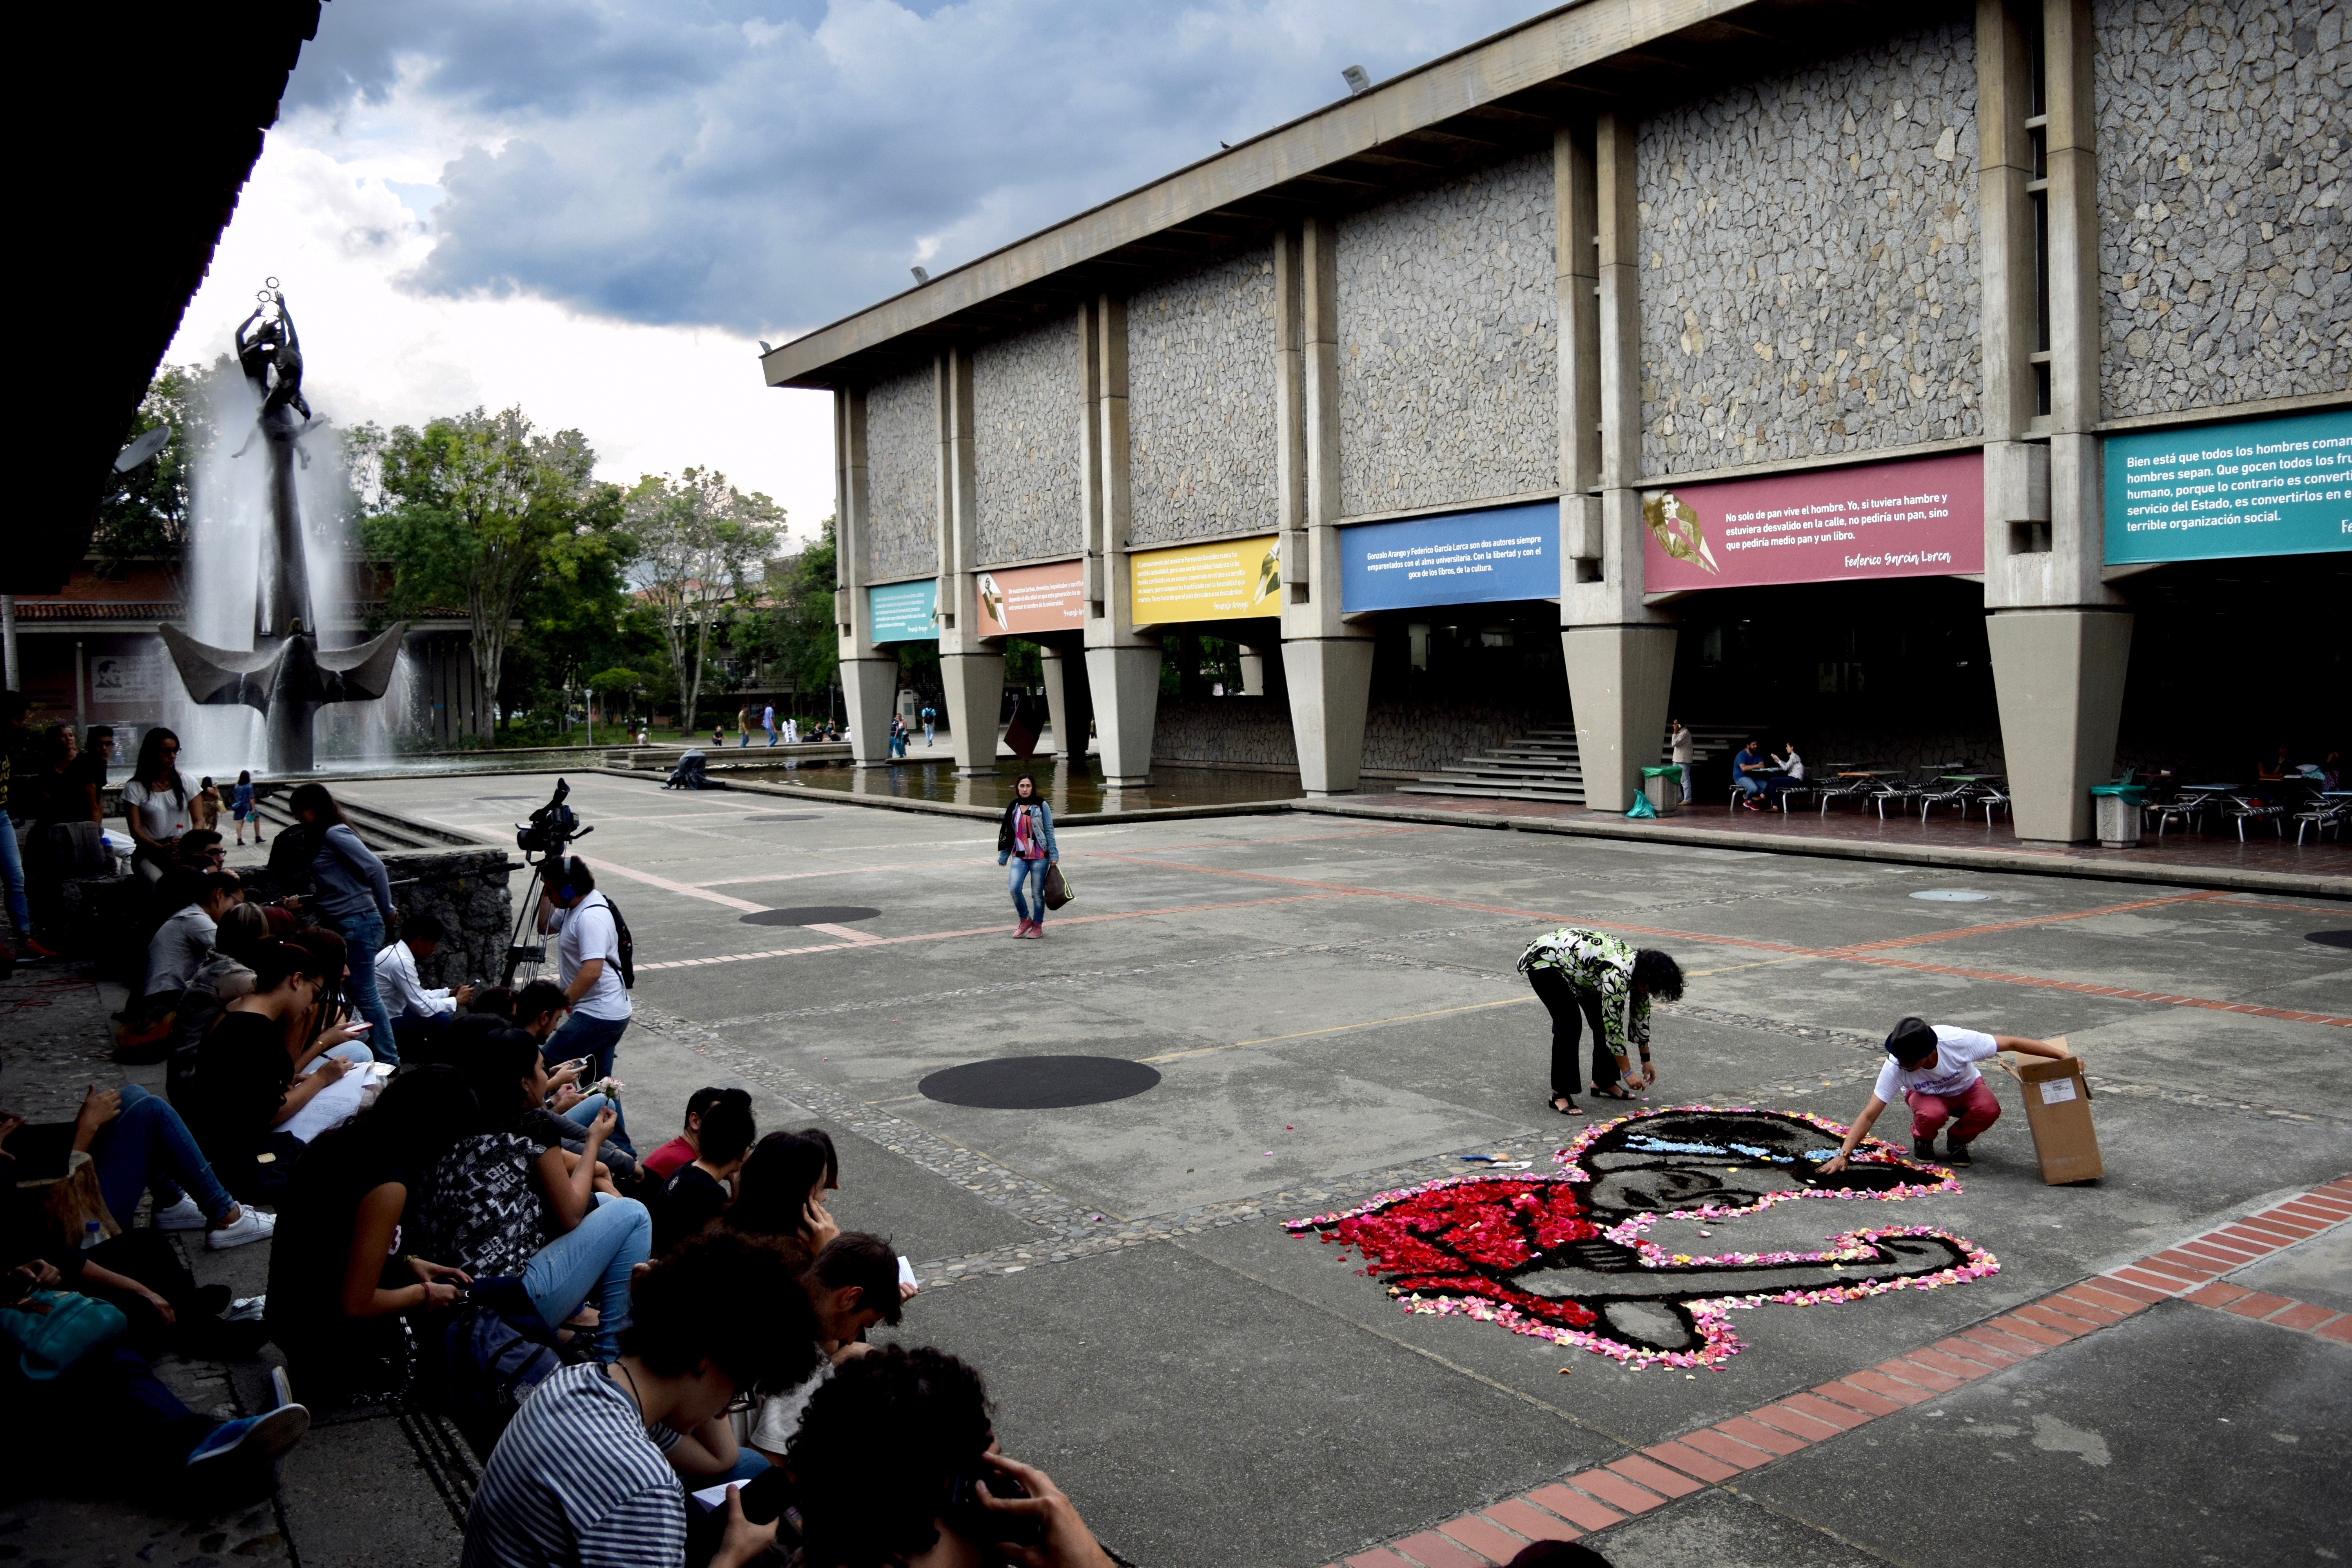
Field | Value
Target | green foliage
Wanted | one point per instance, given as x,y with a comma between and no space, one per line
699,541
791,631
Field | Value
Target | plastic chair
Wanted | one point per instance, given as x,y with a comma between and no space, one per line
2321,814
1993,797
2245,810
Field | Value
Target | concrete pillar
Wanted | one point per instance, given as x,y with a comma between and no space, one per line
1326,663
1069,700
972,669
1126,684
870,690
1618,681
1252,660
869,676
976,698
2059,674
1122,666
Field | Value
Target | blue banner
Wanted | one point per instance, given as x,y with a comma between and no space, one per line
904,611
1455,558
2259,487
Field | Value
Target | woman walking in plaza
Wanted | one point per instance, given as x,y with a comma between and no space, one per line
354,898
1024,843
1580,975
240,806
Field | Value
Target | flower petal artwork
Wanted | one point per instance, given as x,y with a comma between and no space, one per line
1567,1257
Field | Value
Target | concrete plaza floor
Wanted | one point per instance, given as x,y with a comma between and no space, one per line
1333,1007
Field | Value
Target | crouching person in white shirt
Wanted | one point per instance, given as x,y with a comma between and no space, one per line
417,1010
1933,1070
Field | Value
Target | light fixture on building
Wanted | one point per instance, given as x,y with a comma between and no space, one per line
1356,80
920,276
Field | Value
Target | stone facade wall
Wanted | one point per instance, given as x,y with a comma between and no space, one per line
902,457
1449,361
1027,403
2223,143
1200,426
1808,270
1400,737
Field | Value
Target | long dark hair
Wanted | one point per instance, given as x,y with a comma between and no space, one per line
783,1170
313,797
495,1063
150,767
411,1123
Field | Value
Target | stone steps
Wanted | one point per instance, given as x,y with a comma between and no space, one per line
1543,764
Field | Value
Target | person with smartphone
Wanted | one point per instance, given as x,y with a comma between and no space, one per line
250,1076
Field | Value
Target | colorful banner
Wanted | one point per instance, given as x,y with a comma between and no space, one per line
1455,558
1226,581
2260,486
904,611
1922,517
1020,599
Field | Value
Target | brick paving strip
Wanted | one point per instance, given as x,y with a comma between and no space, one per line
1608,1494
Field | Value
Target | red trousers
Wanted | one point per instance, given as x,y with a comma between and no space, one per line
1975,1106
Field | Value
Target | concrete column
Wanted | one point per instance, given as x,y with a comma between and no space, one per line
1122,667
1252,661
1326,664
972,669
1619,652
869,676
870,690
1069,700
1576,235
2059,674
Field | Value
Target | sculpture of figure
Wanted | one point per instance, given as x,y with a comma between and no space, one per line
269,353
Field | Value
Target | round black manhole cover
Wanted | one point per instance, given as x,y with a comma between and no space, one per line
1039,1083
817,915
2330,938
784,816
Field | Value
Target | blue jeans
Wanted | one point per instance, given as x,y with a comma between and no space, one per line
750,1465
581,1115
148,1148
1750,785
363,939
12,870
1026,878
593,1261
598,1039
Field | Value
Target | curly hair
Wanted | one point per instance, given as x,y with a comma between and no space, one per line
730,1301
878,1453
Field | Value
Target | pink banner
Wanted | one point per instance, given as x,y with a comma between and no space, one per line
1014,600
1923,517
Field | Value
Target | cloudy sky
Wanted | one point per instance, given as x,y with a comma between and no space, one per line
594,207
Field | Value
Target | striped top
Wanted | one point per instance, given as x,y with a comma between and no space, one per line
575,1481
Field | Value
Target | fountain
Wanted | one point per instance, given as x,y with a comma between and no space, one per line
286,676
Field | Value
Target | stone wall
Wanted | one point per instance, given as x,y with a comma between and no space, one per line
2223,143
1400,737
902,457
1201,426
1808,270
1027,403
1448,343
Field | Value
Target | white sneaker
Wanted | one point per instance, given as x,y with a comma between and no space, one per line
251,1224
182,1215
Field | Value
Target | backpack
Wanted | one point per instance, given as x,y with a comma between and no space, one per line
623,944
482,1358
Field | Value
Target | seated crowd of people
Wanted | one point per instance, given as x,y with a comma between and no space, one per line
683,1374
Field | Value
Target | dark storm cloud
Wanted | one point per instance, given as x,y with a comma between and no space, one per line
770,167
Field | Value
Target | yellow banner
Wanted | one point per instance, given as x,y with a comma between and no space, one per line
1226,581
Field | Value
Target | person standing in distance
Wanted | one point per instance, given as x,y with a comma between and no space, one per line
588,965
1581,974
930,725
1933,1068
1025,842
767,722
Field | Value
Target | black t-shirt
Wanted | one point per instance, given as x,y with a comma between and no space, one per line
242,1073
316,1216
689,1200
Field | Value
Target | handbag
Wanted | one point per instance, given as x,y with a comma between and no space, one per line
53,1330
1058,887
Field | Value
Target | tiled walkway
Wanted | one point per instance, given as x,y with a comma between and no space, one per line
1606,1495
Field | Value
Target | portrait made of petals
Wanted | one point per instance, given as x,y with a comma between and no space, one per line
1566,1259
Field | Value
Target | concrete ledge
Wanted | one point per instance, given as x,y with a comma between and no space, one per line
2016,862
977,813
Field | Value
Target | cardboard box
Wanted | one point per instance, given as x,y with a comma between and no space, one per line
2058,1108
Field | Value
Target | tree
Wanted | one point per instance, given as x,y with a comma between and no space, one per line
474,511
793,631
698,538
149,513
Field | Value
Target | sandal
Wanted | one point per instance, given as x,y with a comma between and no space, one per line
1612,1093
1570,1108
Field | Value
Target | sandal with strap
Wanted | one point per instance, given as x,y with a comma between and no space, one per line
1611,1093
1570,1108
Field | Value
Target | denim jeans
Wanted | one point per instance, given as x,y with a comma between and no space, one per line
1026,878
148,1148
11,871
584,1112
593,1262
363,939
598,1039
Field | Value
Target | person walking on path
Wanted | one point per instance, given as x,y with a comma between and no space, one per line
767,722
743,723
241,807
354,898
1024,843
1933,1068
930,725
1581,975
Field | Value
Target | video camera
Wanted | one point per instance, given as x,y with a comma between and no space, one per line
552,827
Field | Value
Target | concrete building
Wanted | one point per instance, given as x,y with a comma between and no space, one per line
1864,373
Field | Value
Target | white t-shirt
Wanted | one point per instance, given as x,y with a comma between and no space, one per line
585,931
780,1413
1958,1051
161,815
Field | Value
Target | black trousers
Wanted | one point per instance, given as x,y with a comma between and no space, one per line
1571,1005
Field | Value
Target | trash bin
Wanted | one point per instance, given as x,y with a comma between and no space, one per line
1665,788
2116,809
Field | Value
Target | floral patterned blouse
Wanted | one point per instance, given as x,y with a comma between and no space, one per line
1596,963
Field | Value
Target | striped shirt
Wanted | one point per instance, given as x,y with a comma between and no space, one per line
576,1480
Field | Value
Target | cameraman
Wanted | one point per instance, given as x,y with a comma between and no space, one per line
588,962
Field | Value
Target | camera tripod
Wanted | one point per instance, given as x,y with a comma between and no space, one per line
550,833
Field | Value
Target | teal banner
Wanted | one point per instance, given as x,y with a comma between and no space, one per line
904,611
2260,486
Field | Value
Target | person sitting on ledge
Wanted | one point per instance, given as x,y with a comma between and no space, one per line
416,1009
1933,1067
261,1063
852,1285
700,1191
183,943
664,1163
